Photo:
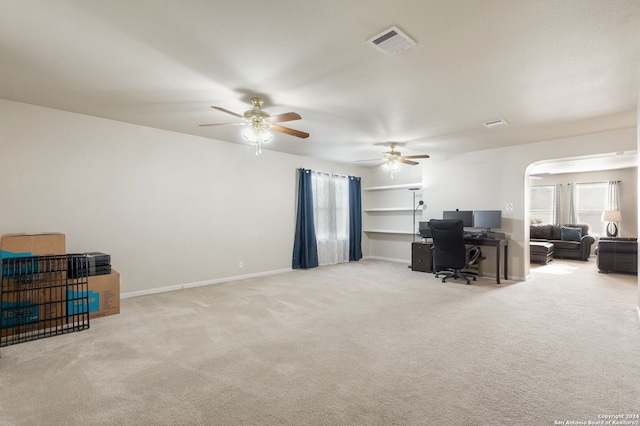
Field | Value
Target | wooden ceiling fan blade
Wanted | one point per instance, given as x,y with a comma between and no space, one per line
228,112
222,124
373,159
288,116
416,156
405,161
289,131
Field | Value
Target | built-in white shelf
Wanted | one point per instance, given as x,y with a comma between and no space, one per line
388,231
393,209
387,187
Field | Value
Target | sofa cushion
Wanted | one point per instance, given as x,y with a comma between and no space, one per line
566,245
570,234
585,228
541,232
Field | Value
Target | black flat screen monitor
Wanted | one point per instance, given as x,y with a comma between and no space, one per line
423,228
465,215
487,219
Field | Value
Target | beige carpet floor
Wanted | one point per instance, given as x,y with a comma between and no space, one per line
365,343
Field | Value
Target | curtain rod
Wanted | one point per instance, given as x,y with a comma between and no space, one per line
330,174
602,181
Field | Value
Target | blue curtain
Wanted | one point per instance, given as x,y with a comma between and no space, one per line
305,247
355,219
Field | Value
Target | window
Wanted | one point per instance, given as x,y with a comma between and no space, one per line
541,207
590,201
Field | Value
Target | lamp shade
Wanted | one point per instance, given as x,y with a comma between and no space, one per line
611,216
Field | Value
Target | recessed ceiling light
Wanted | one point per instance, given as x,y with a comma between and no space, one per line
496,123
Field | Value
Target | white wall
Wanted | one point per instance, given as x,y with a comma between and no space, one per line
170,208
487,180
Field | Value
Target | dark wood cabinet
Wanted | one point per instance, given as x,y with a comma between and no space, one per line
421,259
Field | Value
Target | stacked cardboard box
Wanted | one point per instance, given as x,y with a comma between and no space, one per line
34,244
104,295
38,302
103,281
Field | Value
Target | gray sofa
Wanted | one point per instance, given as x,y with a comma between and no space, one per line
569,241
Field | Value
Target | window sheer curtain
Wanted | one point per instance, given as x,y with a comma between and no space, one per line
613,195
331,217
557,204
573,204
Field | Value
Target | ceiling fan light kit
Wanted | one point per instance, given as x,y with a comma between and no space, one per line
393,159
260,124
391,166
257,135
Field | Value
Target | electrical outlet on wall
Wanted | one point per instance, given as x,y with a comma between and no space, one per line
241,264
509,206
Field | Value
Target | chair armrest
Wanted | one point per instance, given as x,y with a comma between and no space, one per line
587,239
585,246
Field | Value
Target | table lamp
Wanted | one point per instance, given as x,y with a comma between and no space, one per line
613,217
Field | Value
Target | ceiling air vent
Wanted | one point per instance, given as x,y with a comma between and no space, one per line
496,123
391,41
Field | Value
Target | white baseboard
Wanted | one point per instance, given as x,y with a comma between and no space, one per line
388,259
200,283
514,278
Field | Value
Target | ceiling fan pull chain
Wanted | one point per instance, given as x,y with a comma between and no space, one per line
259,142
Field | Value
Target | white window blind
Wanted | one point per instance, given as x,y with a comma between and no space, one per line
590,201
542,204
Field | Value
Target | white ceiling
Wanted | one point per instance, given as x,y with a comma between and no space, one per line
551,68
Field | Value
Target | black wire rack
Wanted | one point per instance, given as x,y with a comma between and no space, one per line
43,296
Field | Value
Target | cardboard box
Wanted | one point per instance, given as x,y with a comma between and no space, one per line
104,296
32,272
37,313
21,313
108,288
41,244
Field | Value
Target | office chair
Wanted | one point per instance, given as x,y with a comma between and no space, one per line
450,254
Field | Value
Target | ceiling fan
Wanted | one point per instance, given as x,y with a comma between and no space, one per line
393,158
260,122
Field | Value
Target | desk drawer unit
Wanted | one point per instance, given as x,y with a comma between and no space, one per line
421,259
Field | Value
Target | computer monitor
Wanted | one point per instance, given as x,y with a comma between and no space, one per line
487,219
465,215
424,230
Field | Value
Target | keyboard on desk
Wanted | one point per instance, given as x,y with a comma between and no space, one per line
472,235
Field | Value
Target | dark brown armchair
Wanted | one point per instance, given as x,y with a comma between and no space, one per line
618,255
